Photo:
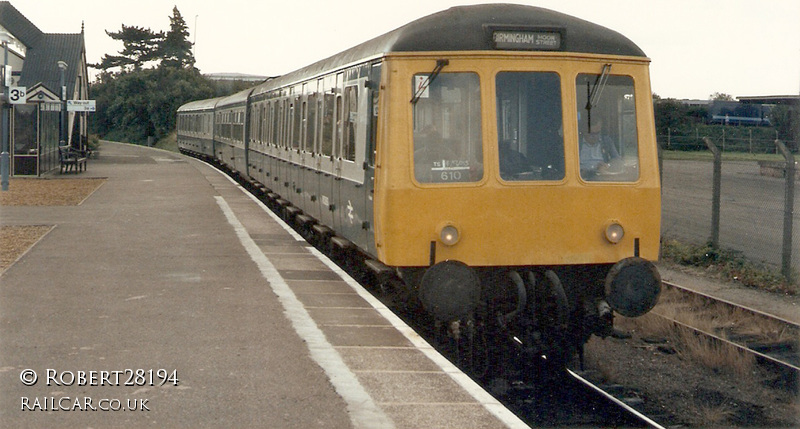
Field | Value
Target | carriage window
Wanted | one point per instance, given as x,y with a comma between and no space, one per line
609,146
327,124
529,126
447,129
350,115
297,122
311,123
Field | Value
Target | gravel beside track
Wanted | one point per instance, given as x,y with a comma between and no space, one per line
679,392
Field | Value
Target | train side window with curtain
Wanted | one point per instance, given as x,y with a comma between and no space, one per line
448,145
608,140
529,126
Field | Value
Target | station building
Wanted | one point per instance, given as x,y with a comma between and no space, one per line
52,68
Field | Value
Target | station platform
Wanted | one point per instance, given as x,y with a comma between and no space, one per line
170,297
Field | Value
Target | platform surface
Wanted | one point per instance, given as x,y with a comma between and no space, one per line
170,273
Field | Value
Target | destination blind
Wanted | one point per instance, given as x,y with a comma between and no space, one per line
527,40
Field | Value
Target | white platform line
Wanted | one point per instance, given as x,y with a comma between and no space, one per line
470,386
363,411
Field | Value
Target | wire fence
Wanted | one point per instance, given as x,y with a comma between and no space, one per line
752,140
747,206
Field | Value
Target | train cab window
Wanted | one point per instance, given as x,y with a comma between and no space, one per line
448,146
608,142
529,126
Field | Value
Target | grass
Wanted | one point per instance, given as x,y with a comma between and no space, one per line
712,416
708,316
713,354
729,265
170,142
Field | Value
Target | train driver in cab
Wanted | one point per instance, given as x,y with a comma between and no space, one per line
598,153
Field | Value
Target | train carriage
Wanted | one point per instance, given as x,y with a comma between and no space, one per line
195,127
231,131
498,161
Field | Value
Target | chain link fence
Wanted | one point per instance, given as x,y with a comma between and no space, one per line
744,205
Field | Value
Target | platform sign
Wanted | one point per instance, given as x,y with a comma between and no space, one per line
81,106
17,95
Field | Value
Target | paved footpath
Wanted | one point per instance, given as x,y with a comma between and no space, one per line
170,271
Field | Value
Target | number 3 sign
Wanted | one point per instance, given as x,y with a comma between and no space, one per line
17,94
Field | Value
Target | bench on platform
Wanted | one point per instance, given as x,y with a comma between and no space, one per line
72,159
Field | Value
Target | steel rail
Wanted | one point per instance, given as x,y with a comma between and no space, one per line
616,401
717,337
732,304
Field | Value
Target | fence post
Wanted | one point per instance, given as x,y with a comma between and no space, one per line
788,211
715,199
669,137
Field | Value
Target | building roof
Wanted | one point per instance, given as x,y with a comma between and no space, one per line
41,63
44,51
18,25
772,99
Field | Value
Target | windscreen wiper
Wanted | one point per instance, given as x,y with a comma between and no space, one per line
593,93
440,64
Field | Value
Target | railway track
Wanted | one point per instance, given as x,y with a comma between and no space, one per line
611,398
771,339
571,399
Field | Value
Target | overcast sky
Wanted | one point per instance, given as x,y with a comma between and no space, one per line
697,47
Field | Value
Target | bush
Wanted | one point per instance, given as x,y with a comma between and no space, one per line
133,106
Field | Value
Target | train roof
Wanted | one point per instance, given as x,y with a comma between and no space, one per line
199,105
473,28
236,98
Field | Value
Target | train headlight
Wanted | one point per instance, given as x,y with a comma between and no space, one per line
449,235
614,233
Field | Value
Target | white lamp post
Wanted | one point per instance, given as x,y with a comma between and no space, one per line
63,123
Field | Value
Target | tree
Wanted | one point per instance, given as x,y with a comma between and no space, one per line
786,120
140,45
721,96
176,49
670,114
134,106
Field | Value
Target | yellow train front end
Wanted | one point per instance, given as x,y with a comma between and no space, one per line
548,210
500,171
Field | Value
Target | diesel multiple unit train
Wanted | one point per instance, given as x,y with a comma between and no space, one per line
496,162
